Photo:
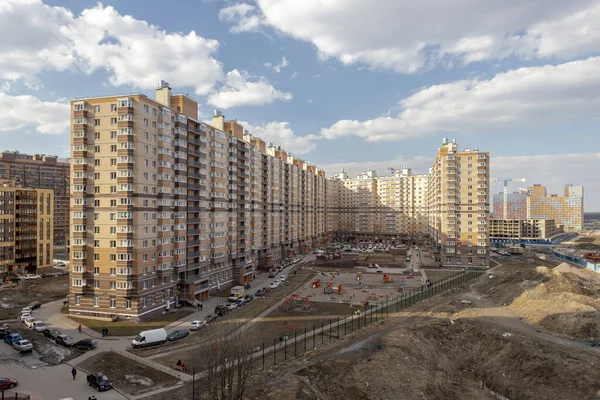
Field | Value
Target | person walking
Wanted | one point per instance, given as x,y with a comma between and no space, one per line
201,306
74,373
79,328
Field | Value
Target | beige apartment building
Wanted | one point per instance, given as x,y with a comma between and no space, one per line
42,172
166,208
566,210
506,230
390,209
459,206
26,228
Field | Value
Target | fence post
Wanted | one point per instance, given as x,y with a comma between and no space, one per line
372,313
322,332
295,348
387,307
274,351
263,357
338,327
345,323
285,348
304,339
314,345
365,312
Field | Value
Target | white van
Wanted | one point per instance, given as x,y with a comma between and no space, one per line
150,338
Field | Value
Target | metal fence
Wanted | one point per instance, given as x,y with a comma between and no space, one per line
288,347
575,260
14,396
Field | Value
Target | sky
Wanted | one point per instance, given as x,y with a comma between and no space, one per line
344,84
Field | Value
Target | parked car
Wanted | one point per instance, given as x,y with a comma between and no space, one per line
49,275
99,381
232,306
26,310
51,333
249,297
29,322
211,318
25,317
282,278
260,292
32,276
275,284
23,345
61,273
8,383
12,337
177,334
38,326
240,302
34,305
150,337
85,344
4,330
221,310
65,340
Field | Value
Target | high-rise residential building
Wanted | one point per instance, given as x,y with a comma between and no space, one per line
26,228
516,205
523,230
459,206
390,209
42,172
166,208
565,210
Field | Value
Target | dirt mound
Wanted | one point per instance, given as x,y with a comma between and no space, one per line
566,300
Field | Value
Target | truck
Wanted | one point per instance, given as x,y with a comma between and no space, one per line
237,292
150,338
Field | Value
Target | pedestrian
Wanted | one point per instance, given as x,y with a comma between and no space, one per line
201,306
106,329
79,328
197,306
74,373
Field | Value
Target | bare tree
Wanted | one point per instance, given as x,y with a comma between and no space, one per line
228,366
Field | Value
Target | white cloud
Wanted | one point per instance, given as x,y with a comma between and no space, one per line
515,99
52,38
281,134
423,34
241,89
278,67
245,17
28,111
551,170
294,75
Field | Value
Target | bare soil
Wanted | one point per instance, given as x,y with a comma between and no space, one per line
49,351
44,290
127,375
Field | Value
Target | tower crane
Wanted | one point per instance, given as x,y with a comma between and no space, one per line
505,181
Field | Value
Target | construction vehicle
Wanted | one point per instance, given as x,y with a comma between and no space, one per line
592,256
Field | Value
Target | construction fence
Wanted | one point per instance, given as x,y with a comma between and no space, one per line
288,347
14,396
574,260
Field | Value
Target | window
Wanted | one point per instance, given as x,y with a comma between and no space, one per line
113,121
77,300
96,257
113,148
96,301
113,162
113,302
145,135
113,135
113,230
112,285
96,216
113,244
96,243
154,124
145,108
96,229
96,108
145,121
96,284
127,303
113,271
113,203
97,135
113,257
96,122
96,163
113,108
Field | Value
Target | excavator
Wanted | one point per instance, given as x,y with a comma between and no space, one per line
592,256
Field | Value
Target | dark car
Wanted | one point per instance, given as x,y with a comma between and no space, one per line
221,310
12,338
211,318
240,302
261,292
61,273
85,344
99,381
51,333
248,297
4,330
177,334
8,383
65,340
34,305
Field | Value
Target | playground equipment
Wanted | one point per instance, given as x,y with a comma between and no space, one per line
373,296
387,278
316,284
356,308
330,288
358,276
294,301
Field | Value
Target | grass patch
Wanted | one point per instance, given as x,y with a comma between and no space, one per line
222,293
65,309
127,328
437,275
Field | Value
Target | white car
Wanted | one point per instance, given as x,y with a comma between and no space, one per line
195,325
38,326
32,276
282,278
275,284
29,322
25,317
26,310
23,345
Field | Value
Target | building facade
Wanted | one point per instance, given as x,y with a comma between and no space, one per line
42,172
26,228
565,210
166,208
391,209
458,200
516,206
523,229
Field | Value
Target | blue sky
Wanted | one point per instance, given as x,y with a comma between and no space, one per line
341,83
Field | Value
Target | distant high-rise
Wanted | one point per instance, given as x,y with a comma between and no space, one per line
459,206
517,206
42,172
565,210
